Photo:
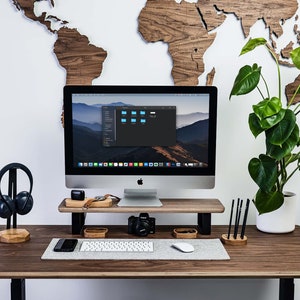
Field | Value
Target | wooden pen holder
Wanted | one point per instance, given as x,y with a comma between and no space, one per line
232,241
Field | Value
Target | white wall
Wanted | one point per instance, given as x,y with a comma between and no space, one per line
31,133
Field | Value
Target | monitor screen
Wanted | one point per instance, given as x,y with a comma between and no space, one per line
140,137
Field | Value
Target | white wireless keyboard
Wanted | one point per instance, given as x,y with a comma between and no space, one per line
116,246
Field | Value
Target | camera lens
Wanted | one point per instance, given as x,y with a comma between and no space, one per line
142,228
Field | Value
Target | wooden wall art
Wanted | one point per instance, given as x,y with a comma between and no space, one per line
185,27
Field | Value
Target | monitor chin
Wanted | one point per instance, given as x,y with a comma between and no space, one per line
140,197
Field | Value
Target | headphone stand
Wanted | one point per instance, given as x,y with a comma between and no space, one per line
13,235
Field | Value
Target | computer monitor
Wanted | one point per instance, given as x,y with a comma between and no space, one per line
140,138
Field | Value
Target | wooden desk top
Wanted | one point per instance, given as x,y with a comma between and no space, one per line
265,256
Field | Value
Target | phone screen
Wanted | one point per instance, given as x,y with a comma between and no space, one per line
65,245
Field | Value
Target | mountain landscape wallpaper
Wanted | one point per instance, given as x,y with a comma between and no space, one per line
191,145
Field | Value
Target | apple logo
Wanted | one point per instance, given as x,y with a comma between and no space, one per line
140,181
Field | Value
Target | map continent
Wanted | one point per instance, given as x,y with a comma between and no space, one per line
180,26
188,28
82,61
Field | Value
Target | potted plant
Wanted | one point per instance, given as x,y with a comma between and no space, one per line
274,168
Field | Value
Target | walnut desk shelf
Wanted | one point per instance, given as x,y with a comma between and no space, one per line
202,207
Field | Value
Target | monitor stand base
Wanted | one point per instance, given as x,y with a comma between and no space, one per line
140,197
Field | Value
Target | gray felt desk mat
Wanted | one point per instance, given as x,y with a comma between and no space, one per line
205,249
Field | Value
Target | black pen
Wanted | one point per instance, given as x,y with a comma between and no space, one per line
238,219
245,219
237,211
230,220
236,216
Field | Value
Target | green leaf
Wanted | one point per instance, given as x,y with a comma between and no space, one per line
263,171
254,124
292,157
267,107
279,152
295,56
271,121
279,133
268,202
252,44
246,80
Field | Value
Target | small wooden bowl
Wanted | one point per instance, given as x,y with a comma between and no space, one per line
185,233
95,232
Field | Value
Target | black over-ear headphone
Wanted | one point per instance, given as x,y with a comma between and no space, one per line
22,203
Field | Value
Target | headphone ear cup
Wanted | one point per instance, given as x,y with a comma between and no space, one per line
24,203
7,207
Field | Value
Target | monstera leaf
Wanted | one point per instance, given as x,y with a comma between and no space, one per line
267,202
246,80
252,44
263,171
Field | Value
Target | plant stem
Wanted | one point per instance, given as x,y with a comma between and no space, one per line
283,175
266,85
278,71
261,91
293,97
292,173
295,110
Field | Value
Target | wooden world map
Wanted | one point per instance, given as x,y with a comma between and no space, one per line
185,27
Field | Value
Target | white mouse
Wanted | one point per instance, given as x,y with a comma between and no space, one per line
183,247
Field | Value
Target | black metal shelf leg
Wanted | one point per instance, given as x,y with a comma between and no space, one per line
286,289
78,220
204,223
17,289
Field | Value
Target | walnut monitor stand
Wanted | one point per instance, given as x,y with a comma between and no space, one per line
202,207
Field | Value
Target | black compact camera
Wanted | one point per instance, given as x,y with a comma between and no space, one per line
141,225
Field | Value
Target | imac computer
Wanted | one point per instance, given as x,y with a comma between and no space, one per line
140,139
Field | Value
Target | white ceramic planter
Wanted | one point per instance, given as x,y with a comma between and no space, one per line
282,220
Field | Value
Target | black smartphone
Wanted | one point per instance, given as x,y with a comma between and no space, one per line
65,245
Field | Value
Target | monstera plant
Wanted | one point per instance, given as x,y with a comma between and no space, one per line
278,122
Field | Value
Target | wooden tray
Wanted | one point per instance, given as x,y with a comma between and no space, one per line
77,203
